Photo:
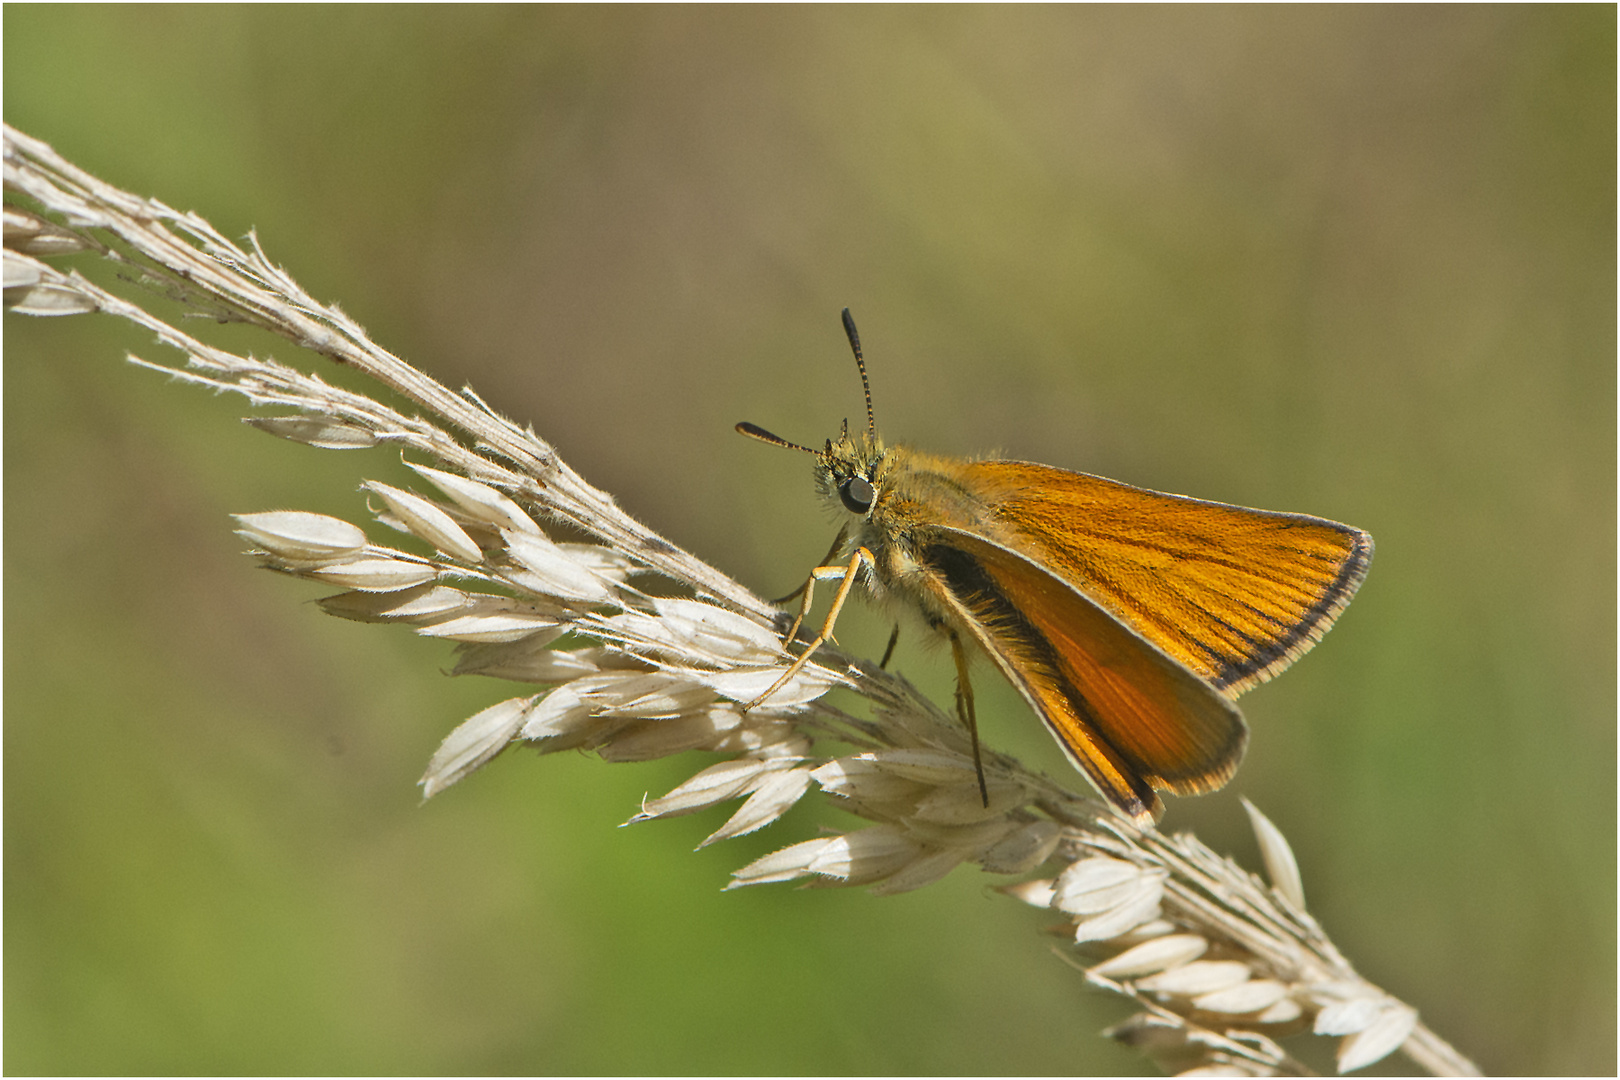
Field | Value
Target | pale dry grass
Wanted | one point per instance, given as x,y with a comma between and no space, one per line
1221,964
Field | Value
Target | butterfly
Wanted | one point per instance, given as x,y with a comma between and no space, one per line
1130,620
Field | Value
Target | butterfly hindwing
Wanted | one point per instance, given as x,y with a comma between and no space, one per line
1133,718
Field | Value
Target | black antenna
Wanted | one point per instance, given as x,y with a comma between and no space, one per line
754,431
855,344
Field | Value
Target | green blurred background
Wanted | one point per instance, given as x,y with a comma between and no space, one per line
1357,262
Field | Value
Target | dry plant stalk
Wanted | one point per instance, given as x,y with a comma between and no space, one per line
1221,965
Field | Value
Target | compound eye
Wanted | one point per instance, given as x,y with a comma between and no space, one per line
857,494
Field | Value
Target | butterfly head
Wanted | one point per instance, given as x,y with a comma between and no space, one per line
849,471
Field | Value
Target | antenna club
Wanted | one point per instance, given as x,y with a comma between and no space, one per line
754,431
866,387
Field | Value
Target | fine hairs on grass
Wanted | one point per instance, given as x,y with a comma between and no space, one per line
1220,964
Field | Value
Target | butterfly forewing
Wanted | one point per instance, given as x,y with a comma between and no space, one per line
1234,594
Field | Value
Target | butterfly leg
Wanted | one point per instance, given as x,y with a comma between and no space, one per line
826,560
849,574
888,650
964,709
782,601
807,596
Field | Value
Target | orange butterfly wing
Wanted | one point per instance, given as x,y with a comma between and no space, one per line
1132,718
1234,594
